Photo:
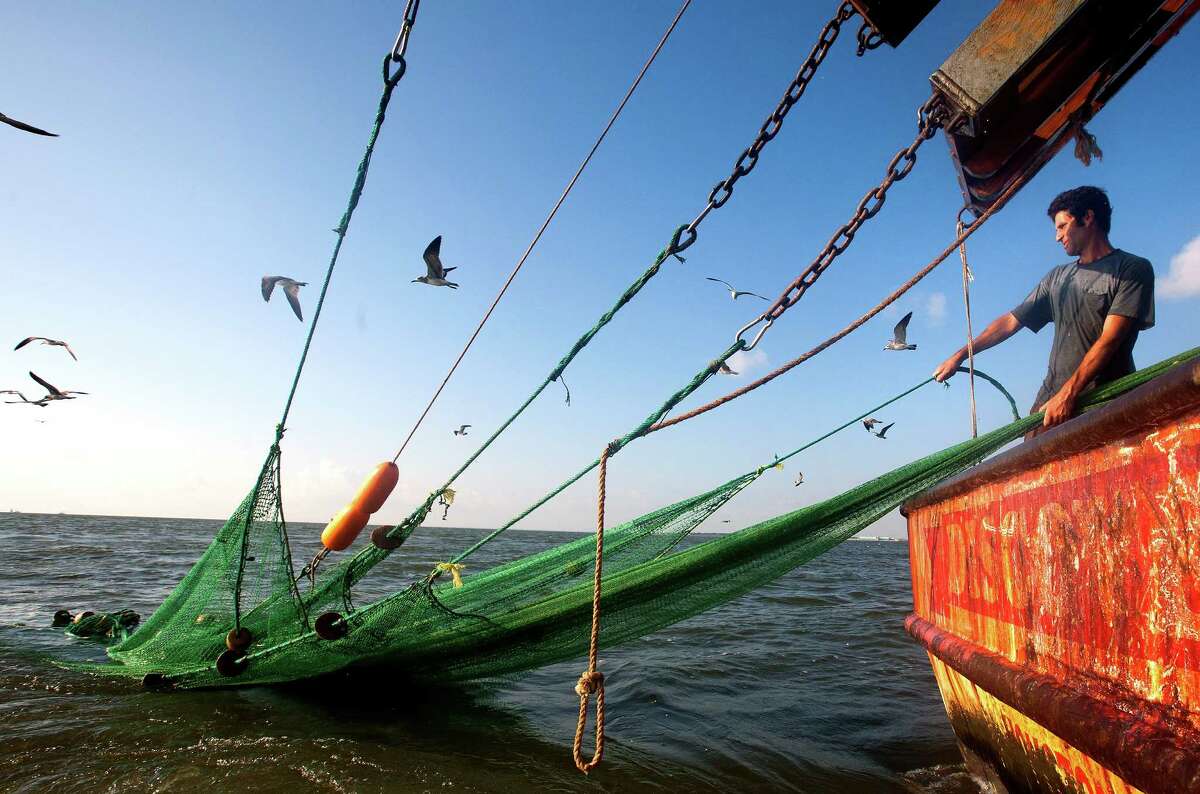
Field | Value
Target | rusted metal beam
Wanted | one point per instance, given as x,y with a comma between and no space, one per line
893,20
1033,70
1140,741
1147,406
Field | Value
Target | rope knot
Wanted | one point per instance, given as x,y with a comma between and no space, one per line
589,683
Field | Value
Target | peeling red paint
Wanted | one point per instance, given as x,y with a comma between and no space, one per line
1085,566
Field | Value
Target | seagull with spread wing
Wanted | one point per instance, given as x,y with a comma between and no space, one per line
883,430
290,287
45,341
435,273
23,399
27,127
899,340
52,391
735,293
870,423
461,431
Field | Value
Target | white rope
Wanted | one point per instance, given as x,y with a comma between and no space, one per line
967,278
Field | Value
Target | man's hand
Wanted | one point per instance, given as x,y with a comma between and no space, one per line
948,367
1060,407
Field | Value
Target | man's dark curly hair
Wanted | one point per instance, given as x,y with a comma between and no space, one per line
1078,201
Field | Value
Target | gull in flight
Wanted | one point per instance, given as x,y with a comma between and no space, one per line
900,335
883,430
46,341
726,369
436,275
870,423
290,287
27,127
735,293
52,391
461,431
24,399
799,478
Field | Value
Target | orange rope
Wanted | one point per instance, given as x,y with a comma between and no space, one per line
1001,200
592,681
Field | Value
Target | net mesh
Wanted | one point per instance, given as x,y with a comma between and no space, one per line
515,616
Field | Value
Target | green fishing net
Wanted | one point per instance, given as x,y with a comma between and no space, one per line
515,616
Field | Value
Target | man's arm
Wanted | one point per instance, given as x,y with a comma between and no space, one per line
1061,406
1000,329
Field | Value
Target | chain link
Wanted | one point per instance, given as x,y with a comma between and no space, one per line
931,117
770,128
868,39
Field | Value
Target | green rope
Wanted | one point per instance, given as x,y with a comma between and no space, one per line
886,403
350,572
360,181
361,558
615,447
1011,402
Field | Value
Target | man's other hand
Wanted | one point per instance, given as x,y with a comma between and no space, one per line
1059,408
949,366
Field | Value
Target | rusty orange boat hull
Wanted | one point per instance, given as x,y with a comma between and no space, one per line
1056,588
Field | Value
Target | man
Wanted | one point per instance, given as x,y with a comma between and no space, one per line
1098,304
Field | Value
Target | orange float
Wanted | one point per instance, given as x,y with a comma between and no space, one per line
343,528
378,487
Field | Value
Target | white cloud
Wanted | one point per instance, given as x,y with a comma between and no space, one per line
935,307
743,362
1184,279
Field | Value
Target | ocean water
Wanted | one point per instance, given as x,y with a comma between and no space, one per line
808,684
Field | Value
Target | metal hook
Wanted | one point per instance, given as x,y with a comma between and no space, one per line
738,339
410,19
968,223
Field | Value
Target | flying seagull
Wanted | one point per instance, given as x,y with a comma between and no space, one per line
900,335
436,276
27,127
46,341
53,392
735,293
726,369
290,287
24,399
883,430
870,423
799,478
461,431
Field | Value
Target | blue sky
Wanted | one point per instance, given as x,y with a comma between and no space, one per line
205,145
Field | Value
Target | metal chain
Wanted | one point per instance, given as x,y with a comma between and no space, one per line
770,128
931,117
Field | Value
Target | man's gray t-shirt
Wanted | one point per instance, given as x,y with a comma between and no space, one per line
1077,298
